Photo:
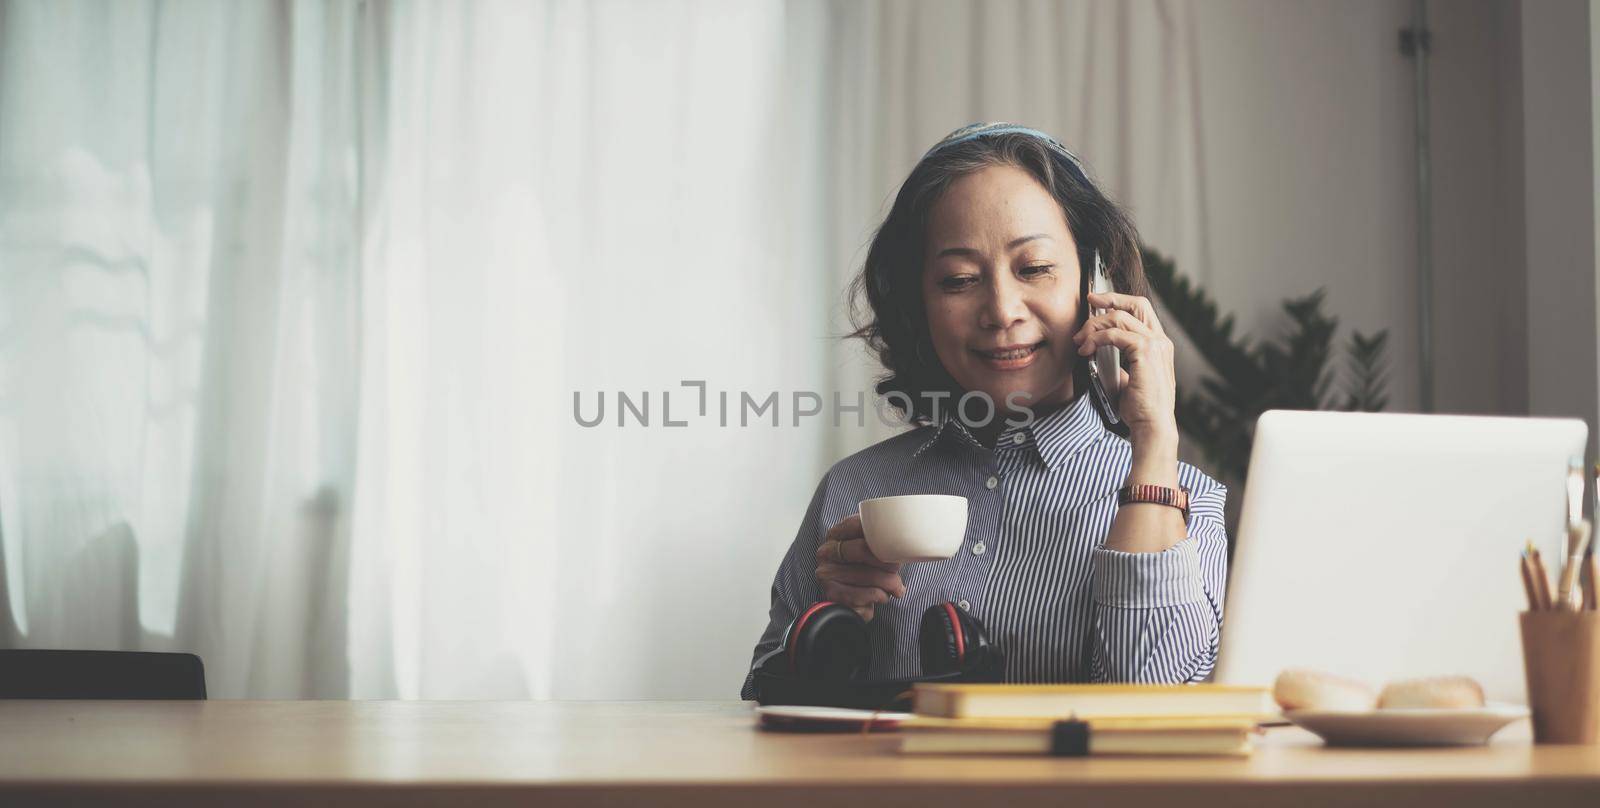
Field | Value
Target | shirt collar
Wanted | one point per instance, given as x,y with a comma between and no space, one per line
1055,438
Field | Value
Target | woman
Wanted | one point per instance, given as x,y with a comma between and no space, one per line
975,284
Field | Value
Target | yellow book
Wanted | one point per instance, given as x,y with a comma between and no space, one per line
1091,701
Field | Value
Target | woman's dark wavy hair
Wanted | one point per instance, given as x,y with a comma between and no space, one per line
886,306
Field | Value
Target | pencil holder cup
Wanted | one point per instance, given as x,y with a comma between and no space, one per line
1561,658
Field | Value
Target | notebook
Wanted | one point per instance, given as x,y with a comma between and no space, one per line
1091,701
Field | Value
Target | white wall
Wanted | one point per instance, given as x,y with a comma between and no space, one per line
1307,142
1558,167
1308,127
1479,287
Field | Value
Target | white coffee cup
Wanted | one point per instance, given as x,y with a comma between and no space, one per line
914,527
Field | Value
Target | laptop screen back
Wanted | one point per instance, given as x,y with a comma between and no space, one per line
1385,546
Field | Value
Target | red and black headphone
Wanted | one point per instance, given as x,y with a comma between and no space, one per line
829,642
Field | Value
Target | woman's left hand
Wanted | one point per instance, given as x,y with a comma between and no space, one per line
1148,386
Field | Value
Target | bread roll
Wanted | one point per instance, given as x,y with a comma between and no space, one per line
1437,692
1298,689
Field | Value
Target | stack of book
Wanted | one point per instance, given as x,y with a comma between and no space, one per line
1085,719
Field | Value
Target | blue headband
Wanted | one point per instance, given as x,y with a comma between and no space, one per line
976,130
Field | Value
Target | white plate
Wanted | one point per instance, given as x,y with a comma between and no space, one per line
1465,727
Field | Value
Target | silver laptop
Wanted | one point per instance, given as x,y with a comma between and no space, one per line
1383,546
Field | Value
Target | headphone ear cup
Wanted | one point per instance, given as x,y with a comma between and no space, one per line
953,641
828,641
943,642
984,661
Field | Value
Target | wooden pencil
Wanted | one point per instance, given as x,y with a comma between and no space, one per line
1526,568
1541,577
1591,571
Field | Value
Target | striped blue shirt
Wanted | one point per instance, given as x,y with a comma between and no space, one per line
1032,567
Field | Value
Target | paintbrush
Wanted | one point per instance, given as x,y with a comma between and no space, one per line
1577,544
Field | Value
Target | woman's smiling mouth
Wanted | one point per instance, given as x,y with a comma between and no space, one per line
1010,357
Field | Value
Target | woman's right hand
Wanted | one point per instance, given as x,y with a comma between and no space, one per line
850,574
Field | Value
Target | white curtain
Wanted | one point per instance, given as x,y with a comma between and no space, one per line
178,309
295,298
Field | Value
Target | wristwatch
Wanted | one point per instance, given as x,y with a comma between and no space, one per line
1156,495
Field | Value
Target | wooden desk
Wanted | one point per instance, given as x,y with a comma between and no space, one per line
685,753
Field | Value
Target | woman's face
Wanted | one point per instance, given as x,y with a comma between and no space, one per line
1001,288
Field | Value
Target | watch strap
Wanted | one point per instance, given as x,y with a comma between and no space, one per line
1156,495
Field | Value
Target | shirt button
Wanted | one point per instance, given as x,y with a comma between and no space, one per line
1019,438
977,549
965,605
991,482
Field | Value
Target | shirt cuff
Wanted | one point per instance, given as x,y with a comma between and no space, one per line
1148,580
